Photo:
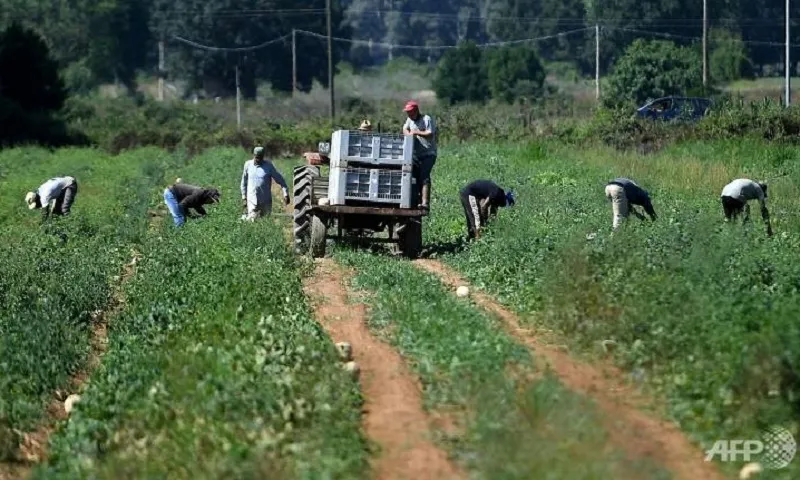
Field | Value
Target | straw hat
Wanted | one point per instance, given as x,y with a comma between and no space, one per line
30,199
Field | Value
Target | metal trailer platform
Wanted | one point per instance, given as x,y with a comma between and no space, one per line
382,211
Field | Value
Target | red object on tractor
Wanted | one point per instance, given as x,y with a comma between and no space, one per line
314,158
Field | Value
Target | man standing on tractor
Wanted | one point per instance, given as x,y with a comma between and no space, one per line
257,179
480,200
423,128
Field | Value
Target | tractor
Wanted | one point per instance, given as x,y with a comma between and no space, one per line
370,188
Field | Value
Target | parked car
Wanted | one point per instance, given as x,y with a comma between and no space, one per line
675,108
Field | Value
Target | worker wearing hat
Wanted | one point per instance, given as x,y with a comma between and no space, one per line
480,200
54,196
256,185
423,129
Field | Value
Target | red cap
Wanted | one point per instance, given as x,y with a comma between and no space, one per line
411,106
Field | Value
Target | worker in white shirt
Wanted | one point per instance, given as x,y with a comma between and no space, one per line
257,178
736,195
54,196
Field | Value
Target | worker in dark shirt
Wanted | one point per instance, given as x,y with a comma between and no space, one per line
180,197
623,193
481,199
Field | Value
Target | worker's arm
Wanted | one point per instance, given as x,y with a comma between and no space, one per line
244,182
765,215
191,201
280,180
428,128
648,207
484,207
45,211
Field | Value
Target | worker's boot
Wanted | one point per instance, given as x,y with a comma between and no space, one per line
426,197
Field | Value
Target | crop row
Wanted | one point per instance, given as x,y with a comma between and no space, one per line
55,275
703,312
215,368
507,425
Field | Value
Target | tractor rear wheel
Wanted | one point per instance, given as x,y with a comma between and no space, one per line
318,241
410,243
303,200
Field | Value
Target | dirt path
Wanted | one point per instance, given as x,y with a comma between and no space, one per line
33,449
636,432
393,417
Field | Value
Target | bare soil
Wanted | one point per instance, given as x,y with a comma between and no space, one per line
639,434
394,417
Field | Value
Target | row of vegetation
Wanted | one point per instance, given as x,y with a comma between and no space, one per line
502,424
700,311
201,364
48,290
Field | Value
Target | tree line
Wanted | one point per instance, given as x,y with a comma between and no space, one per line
96,42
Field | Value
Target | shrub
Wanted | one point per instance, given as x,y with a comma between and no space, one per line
729,59
515,72
461,75
652,69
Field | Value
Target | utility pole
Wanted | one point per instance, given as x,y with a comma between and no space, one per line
788,64
330,61
238,98
597,61
161,69
705,44
294,61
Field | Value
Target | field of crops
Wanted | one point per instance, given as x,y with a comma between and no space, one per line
216,366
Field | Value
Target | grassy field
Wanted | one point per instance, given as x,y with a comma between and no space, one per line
217,368
509,426
701,312
48,289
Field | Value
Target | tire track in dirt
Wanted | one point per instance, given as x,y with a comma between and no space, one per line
393,417
636,432
34,445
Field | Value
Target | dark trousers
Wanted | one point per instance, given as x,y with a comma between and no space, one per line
64,201
733,207
425,167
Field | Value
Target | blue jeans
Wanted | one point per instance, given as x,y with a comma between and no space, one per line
174,208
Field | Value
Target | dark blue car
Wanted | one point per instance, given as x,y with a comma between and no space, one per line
675,108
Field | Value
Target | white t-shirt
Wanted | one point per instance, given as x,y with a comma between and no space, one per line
51,189
744,190
423,146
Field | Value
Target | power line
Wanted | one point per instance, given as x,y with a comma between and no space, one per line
683,37
535,18
251,11
442,47
231,49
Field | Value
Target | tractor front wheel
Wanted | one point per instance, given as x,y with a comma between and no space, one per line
410,243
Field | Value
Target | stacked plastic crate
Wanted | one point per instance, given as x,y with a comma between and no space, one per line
371,167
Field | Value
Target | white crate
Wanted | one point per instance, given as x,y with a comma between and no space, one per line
391,187
370,149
